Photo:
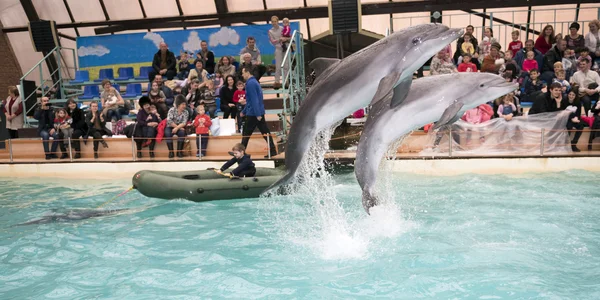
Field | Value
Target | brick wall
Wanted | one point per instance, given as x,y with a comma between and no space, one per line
10,70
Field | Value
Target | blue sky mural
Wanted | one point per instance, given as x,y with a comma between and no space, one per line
114,49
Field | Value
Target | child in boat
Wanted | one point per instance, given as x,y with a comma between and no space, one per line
245,165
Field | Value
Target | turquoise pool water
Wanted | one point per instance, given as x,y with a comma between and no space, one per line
533,236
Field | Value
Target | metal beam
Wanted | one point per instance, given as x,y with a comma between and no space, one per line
320,12
104,10
149,25
528,22
180,10
222,8
501,21
70,15
143,11
577,12
68,37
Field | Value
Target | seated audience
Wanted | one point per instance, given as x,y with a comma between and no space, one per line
521,55
228,106
194,96
259,69
97,127
531,86
225,66
510,67
45,116
184,66
78,125
202,124
492,62
199,73
592,42
62,125
589,84
554,55
146,126
176,121
560,78
207,57
548,102
207,99
158,98
581,54
515,45
13,111
569,63
466,65
239,98
574,39
442,64
458,54
572,103
245,165
164,63
595,127
169,97
546,39
507,109
530,63
113,105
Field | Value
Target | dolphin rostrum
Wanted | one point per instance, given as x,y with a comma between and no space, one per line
367,76
74,215
441,98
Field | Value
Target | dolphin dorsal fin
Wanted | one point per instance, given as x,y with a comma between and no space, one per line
400,92
321,64
450,115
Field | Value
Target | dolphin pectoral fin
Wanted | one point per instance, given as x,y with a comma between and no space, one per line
450,115
321,64
386,85
400,92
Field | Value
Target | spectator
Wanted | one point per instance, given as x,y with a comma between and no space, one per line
516,44
560,78
227,105
255,112
522,54
78,125
589,84
202,124
145,128
595,126
247,63
208,99
510,67
467,46
574,39
286,35
531,86
469,30
225,66
194,96
45,116
592,41
207,57
239,98
184,66
62,124
218,83
199,73
166,90
546,39
176,120
113,105
570,63
442,64
530,63
573,104
548,102
259,68
164,63
507,109
466,65
583,53
492,62
551,57
275,37
157,97
97,127
13,110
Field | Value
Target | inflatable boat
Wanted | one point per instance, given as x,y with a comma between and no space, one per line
203,185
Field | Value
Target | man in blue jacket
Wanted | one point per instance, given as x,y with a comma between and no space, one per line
255,112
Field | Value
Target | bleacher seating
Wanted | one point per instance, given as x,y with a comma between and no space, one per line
81,76
105,74
90,91
133,90
144,73
125,73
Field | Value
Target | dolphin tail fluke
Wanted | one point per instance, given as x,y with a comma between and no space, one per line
369,200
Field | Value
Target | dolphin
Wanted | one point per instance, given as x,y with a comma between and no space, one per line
367,76
74,215
441,98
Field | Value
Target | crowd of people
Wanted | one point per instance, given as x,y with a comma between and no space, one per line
554,73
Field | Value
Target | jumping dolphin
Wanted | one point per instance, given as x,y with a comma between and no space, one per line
367,76
74,215
441,98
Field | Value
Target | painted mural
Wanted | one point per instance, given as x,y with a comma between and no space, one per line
138,49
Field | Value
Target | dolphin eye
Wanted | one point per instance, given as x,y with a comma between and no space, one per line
416,40
482,85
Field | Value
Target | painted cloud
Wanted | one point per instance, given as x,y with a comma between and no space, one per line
193,42
155,38
97,50
224,37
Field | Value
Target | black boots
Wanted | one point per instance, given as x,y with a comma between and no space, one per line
170,146
151,148
63,149
180,149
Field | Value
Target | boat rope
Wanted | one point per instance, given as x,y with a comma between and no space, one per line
114,198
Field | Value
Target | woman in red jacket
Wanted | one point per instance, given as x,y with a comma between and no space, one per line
546,39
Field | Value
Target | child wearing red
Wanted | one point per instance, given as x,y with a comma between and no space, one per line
202,124
530,63
239,98
467,65
516,44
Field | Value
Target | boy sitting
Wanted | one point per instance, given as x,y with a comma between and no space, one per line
245,165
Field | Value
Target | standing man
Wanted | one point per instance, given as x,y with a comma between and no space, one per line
208,58
259,68
255,112
164,63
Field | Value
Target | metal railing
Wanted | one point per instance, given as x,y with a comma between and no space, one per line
294,80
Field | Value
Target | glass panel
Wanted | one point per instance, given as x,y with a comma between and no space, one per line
12,13
123,10
160,8
316,3
86,10
191,7
318,26
275,4
244,5
52,10
27,57
376,23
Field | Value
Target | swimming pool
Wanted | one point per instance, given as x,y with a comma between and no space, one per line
468,236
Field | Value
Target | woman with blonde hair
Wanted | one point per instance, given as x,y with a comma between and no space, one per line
592,41
13,110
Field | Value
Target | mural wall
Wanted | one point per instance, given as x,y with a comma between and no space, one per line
138,49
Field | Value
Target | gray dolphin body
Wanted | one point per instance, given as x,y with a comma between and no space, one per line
74,215
441,98
367,76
